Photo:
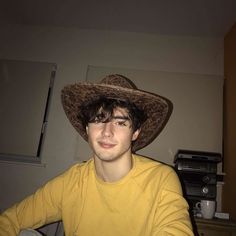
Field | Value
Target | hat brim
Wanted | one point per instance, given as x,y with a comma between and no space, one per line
157,108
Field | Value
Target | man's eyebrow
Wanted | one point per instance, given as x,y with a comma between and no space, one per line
121,117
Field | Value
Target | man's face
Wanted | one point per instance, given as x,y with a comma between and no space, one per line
111,140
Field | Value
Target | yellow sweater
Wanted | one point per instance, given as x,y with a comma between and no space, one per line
146,202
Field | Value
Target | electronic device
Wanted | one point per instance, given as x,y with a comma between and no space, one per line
194,165
207,191
197,171
198,156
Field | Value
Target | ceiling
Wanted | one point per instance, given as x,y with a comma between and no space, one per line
210,18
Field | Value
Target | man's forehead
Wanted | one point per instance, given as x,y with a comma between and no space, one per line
118,111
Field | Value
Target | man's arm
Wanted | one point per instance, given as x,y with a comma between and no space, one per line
36,210
172,216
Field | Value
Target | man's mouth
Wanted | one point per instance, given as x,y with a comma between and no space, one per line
106,144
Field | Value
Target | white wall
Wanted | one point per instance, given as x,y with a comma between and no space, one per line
73,50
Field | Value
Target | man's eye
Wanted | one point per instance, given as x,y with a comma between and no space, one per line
121,123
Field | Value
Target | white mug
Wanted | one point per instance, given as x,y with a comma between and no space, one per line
207,208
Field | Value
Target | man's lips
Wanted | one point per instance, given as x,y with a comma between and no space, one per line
106,144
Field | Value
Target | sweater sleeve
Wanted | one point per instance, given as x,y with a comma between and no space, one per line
172,216
43,207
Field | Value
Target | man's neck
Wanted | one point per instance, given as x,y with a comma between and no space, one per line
114,170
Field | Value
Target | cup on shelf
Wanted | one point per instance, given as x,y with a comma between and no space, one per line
207,208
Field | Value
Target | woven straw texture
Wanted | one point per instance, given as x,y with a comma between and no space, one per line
157,108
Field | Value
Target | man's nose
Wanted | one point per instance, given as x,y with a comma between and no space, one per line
107,129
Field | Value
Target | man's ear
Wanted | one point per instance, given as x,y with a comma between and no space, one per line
86,129
136,134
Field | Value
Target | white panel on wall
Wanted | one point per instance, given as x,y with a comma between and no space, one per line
24,95
196,121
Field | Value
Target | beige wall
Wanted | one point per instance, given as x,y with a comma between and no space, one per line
73,50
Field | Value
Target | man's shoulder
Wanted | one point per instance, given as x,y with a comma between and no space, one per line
79,169
82,165
143,160
146,164
149,172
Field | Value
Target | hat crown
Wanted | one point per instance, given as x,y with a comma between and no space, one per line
118,80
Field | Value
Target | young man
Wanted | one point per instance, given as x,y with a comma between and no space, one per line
116,192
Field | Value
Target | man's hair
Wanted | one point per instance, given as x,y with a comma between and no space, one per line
103,108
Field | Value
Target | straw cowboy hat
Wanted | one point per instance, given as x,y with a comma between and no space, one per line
157,108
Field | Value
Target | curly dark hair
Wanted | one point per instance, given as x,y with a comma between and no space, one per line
103,108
